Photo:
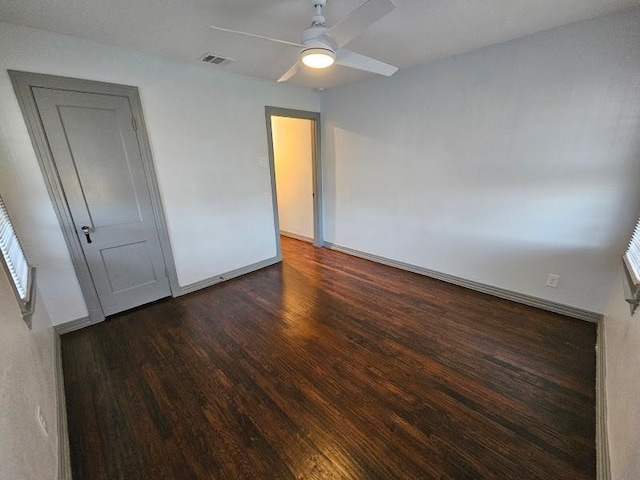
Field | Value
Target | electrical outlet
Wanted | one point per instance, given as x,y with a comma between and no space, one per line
41,420
262,162
267,197
552,280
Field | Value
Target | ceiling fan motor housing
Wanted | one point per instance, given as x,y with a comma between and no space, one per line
314,37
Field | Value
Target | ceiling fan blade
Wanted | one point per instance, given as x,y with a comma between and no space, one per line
351,59
262,37
290,73
359,20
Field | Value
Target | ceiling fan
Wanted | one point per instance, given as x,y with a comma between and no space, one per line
321,47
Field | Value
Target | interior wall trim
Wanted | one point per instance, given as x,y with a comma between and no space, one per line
603,470
64,456
295,236
207,282
72,326
517,297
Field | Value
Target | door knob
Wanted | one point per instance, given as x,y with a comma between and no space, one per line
86,231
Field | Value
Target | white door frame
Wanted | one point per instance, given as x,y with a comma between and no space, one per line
23,82
318,236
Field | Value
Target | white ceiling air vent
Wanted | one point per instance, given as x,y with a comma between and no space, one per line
215,59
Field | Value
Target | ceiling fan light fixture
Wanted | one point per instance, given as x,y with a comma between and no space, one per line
318,57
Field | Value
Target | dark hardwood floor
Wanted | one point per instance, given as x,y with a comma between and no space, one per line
328,366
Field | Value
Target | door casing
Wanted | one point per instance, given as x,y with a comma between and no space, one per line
23,82
318,235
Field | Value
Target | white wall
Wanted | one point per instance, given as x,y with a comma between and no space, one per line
27,379
207,134
499,166
293,158
622,347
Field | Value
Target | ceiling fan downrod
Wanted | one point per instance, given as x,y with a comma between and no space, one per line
318,19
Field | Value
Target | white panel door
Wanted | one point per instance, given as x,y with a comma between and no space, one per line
95,148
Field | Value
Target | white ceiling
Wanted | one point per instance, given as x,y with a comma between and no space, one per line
417,32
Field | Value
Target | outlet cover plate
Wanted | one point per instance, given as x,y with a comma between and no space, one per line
552,280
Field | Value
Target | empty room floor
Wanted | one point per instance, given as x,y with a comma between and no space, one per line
328,366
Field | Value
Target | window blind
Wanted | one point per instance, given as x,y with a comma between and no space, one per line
632,257
631,261
20,273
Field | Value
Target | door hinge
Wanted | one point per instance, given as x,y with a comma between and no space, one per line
134,124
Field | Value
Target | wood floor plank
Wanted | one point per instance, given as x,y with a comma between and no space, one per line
328,366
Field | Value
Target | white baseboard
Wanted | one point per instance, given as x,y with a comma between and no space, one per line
296,236
477,286
602,438
72,326
207,282
64,457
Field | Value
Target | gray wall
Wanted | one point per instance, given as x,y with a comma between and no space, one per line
498,166
622,347
26,381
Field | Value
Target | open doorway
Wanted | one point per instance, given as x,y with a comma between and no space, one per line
294,153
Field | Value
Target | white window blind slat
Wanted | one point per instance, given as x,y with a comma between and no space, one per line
631,261
13,255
